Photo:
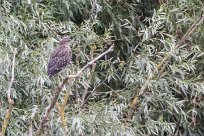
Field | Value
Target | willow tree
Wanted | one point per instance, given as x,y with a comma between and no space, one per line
151,84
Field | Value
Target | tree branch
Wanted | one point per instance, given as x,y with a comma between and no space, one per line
10,101
168,56
59,89
12,79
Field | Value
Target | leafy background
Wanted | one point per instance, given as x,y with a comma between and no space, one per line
142,32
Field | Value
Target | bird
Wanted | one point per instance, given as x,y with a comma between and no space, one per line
60,57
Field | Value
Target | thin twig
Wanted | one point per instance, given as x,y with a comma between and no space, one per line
10,101
168,56
12,79
59,89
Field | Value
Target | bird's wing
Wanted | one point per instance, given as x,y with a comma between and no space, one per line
56,54
65,59
59,59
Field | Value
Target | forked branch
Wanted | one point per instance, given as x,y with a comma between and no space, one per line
59,89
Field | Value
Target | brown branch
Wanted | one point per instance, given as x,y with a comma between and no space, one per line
168,56
193,27
59,89
10,101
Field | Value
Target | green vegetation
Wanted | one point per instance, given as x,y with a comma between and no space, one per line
143,33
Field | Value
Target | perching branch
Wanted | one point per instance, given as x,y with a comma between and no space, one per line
10,101
59,89
162,65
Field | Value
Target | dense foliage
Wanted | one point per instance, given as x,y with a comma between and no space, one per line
143,32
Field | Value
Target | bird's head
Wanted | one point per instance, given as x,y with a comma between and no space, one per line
65,40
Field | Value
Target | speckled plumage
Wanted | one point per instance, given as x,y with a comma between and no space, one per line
60,57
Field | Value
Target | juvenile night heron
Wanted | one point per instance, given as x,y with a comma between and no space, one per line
60,57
